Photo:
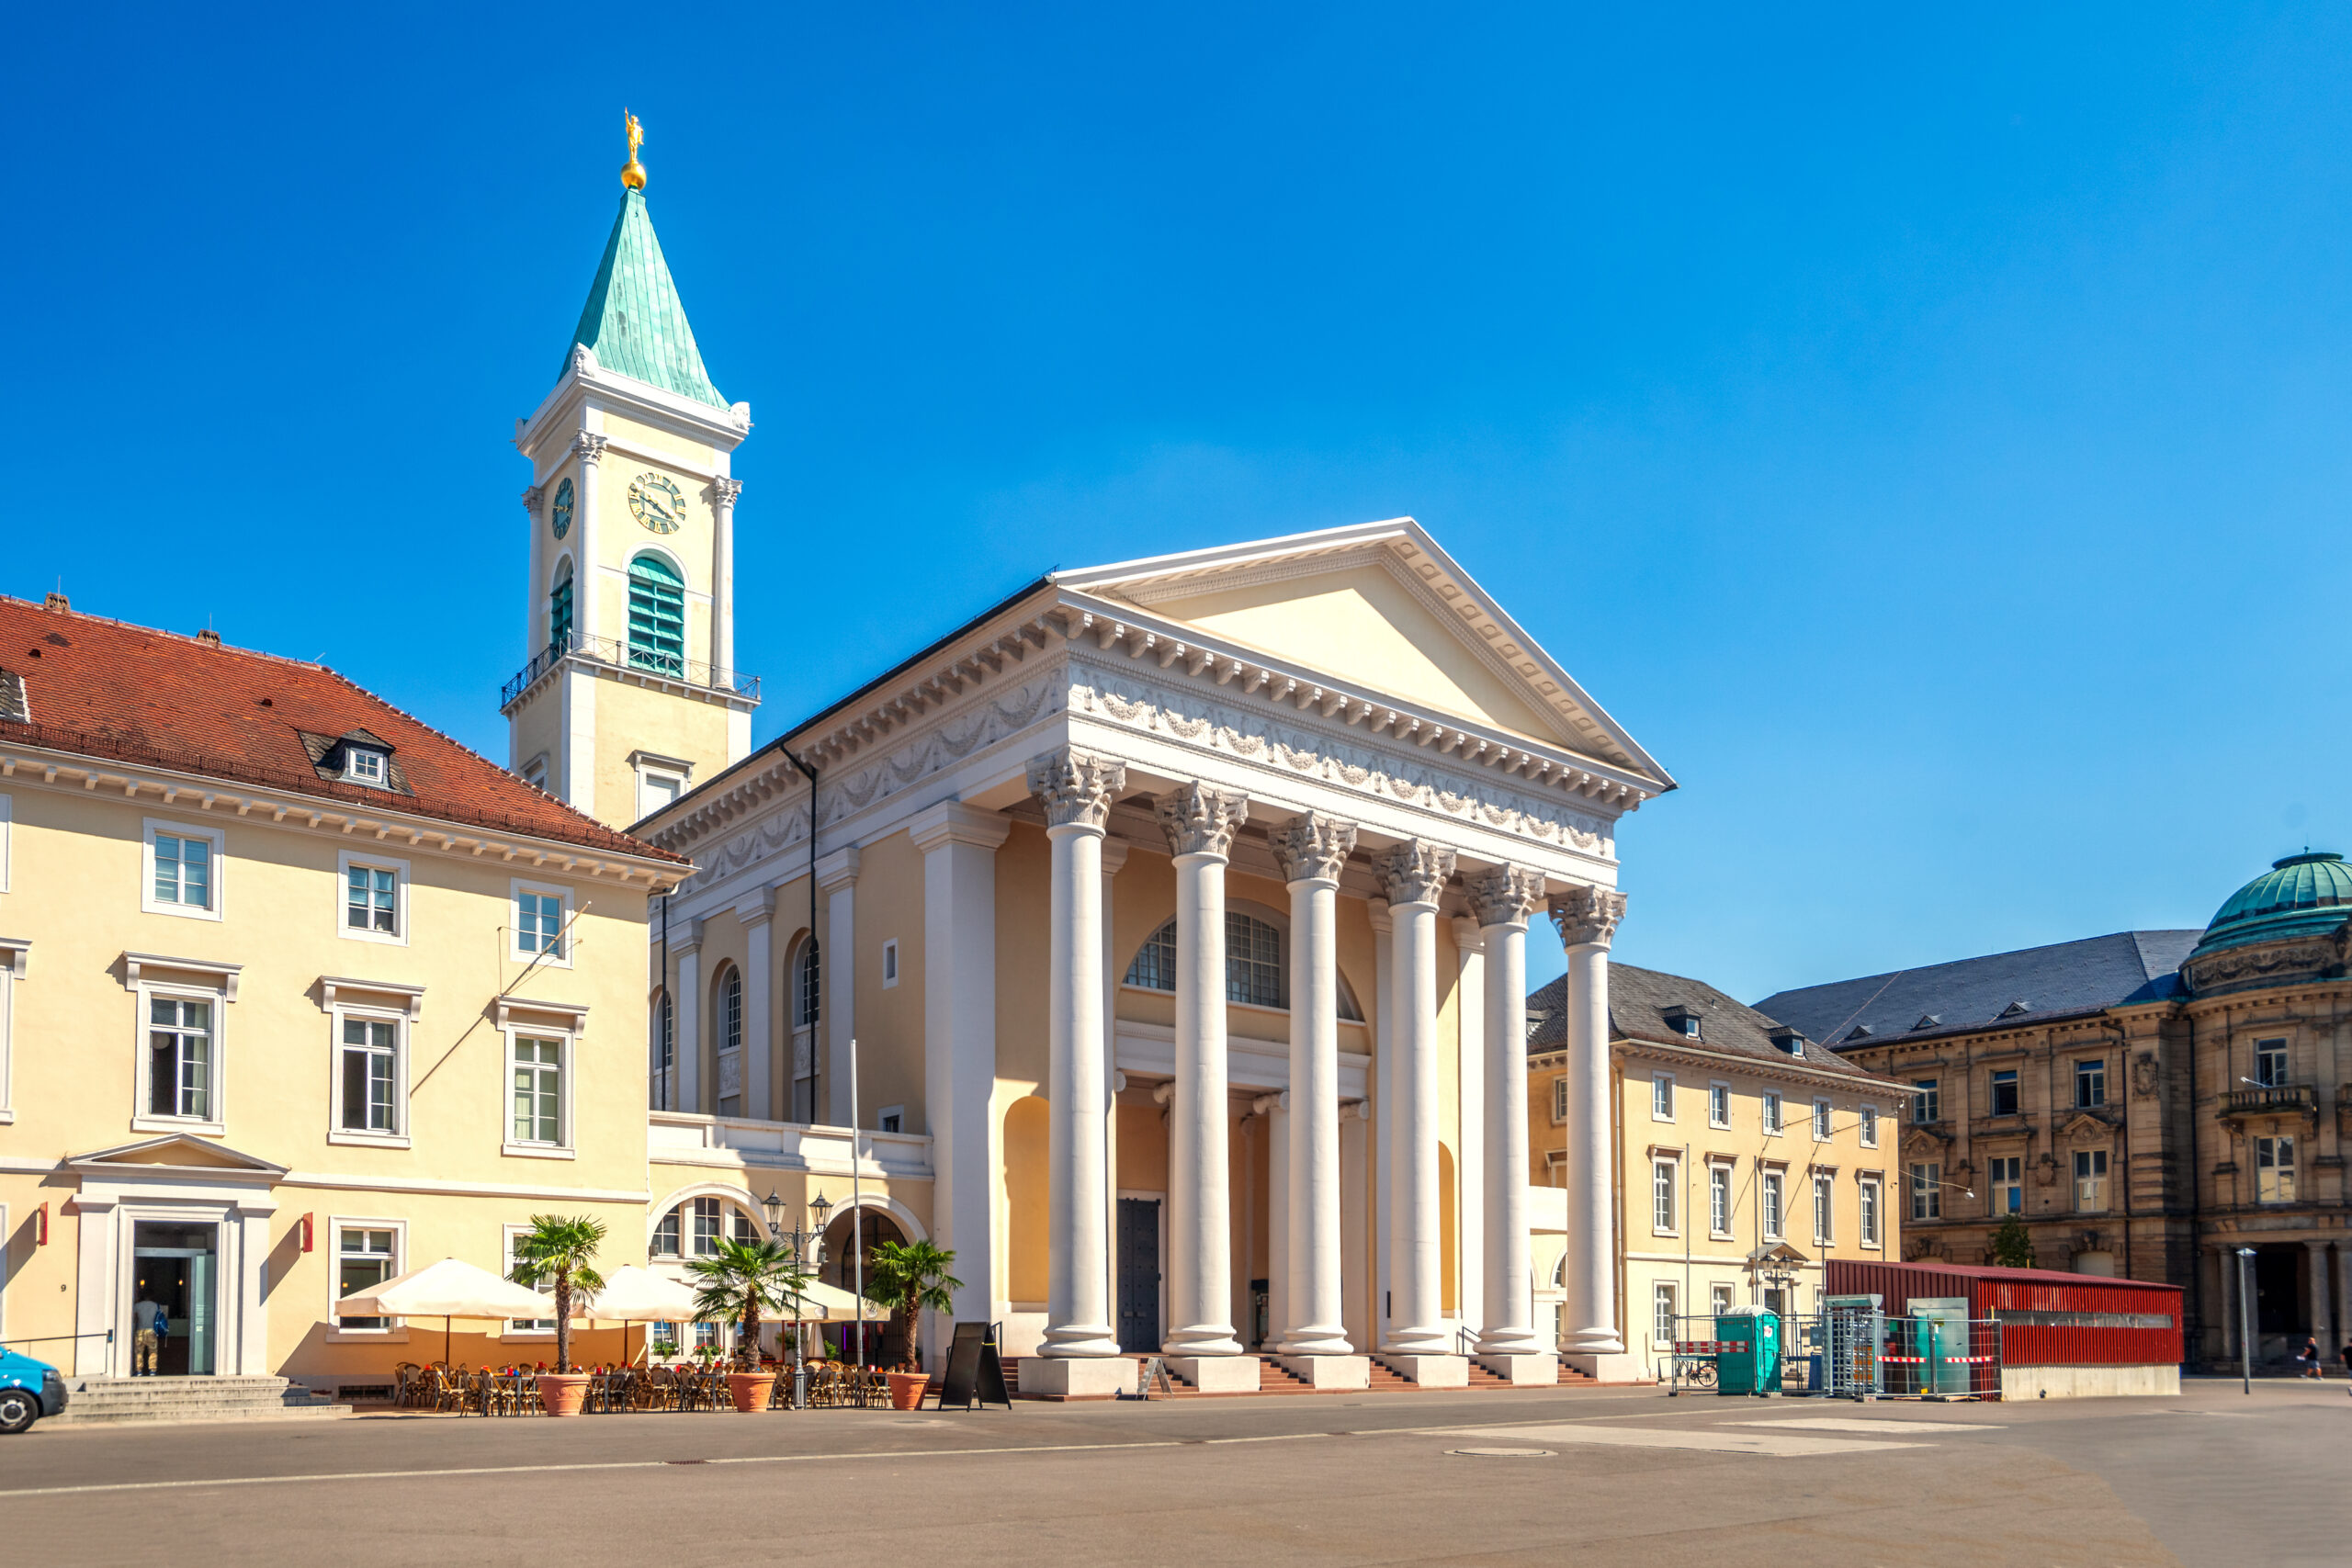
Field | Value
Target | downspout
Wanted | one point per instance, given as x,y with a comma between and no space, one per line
2123,1088
667,1023
816,1076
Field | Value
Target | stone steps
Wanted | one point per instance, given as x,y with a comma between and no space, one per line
97,1400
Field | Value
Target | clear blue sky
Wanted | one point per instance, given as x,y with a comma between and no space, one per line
1927,436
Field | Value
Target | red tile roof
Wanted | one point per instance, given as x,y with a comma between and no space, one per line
191,705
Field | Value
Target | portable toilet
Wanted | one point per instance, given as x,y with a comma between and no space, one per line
1750,1361
1941,1338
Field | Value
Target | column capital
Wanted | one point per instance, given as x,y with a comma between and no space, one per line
723,492
1200,820
1078,787
838,870
1504,895
589,447
1313,847
531,497
1588,916
686,937
1414,871
755,907
1266,1103
953,822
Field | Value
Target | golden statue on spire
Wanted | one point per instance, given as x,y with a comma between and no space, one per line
633,172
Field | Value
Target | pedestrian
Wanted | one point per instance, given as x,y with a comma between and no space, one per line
162,1332
2345,1355
142,1339
2308,1359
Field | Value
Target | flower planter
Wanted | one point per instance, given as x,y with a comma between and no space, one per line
751,1390
906,1389
560,1393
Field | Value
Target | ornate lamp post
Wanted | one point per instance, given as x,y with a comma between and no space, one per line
807,1247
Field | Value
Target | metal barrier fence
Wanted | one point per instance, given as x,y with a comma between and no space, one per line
1834,1355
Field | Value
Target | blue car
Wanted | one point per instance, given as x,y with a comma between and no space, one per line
29,1391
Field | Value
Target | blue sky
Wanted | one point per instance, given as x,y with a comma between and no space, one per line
1925,434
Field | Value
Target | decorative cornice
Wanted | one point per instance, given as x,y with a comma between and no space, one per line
1504,895
1201,821
1313,848
531,495
1076,786
1588,916
1414,871
723,492
589,447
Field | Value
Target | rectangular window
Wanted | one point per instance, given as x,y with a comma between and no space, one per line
1870,1126
665,1236
2091,1084
1719,1199
1663,1314
740,1228
364,1258
1661,1097
363,766
2007,1191
179,1059
2274,1171
1825,1202
1662,1196
538,1090
538,923
656,791
370,1079
1559,1099
1772,1188
523,1324
1926,1192
1820,1120
890,963
1927,1104
2090,1180
2270,1063
1772,1113
705,1227
369,901
181,869
1719,1297
1869,1201
2004,1092
1719,1105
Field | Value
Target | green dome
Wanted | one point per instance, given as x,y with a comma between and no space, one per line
2303,895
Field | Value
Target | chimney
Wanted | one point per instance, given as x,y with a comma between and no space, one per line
208,635
57,602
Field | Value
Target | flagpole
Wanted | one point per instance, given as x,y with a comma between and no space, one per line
856,1211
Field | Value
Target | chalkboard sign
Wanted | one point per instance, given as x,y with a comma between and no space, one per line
974,1373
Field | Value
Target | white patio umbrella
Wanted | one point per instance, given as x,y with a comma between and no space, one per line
451,1287
632,1294
834,1304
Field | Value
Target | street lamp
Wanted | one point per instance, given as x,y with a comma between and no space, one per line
806,1246
2246,1323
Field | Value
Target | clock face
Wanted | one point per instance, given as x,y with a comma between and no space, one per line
559,514
656,503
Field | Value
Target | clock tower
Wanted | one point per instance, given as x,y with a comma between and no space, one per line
629,695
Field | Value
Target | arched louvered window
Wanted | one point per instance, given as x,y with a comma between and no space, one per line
560,608
657,615
805,973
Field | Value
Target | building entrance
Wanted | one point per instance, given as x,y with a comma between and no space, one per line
176,1268
1139,1275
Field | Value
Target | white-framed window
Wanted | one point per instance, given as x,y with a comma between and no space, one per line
1719,1104
1824,1206
1820,1120
367,1253
1927,1191
891,1118
370,1076
365,765
522,1327
542,916
665,1236
1664,1313
2005,1176
2270,1063
2090,1181
2274,1171
1719,1299
1254,964
180,1076
707,1218
1771,1115
1559,1101
1870,1126
657,788
2091,1083
1719,1199
15,954
372,898
1661,1097
808,983
538,1092
890,964
1770,1191
1663,1181
1869,1197
183,867
726,1022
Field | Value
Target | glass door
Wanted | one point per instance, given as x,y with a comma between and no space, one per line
175,1279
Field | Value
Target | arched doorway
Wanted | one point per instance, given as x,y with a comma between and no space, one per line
854,1234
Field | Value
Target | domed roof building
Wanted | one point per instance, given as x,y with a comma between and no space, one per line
2289,924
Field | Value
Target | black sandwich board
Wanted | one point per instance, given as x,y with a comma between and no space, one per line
974,1373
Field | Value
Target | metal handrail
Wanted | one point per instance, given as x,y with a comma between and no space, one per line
614,653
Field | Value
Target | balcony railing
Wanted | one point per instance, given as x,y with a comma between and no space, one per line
616,654
2278,1099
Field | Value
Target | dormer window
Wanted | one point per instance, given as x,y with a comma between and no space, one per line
1788,1040
363,766
1683,1021
1927,1021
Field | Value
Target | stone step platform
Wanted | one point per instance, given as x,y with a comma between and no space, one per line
97,1400
1273,1378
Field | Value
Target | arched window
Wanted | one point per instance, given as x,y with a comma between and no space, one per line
664,1051
805,983
657,615
1256,971
730,1009
560,608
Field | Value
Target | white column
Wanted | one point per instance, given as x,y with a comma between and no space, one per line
1311,851
723,492
589,447
686,1011
1417,1344
1275,1110
536,586
1501,899
1077,790
1470,1137
1587,919
1114,856
758,915
837,983
1199,822
1382,1113
959,845
571,772
1355,1308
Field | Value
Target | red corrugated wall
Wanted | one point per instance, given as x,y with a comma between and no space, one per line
1992,1291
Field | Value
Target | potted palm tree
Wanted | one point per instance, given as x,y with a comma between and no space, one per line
734,1285
910,1276
560,1252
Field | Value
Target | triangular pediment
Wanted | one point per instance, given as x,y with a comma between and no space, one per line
178,1151
1380,606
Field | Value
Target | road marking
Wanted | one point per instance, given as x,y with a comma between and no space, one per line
1864,1424
1706,1440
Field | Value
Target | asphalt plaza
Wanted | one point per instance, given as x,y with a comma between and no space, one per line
1599,1476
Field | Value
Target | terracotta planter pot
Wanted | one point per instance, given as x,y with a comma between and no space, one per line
751,1390
906,1389
560,1393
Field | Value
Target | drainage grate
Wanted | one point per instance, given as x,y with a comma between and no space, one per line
686,1461
1504,1454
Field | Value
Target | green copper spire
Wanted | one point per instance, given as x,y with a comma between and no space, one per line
633,322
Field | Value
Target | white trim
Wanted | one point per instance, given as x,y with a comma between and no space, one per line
1665,1081
1773,1112
1870,1238
1724,1085
1825,1119
15,958
430,1188
566,1143
142,1120
7,810
1866,1120
506,1329
515,887
337,1009
1674,1189
344,862
395,1330
1729,1167
216,892
134,964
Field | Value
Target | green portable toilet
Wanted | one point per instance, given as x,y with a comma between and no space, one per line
1750,1361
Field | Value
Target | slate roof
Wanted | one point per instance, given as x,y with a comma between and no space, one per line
2002,990
1639,1000
192,704
633,320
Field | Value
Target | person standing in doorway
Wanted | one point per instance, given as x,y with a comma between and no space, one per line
162,1335
145,1346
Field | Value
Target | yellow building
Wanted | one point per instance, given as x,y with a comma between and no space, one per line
1740,1152
296,993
